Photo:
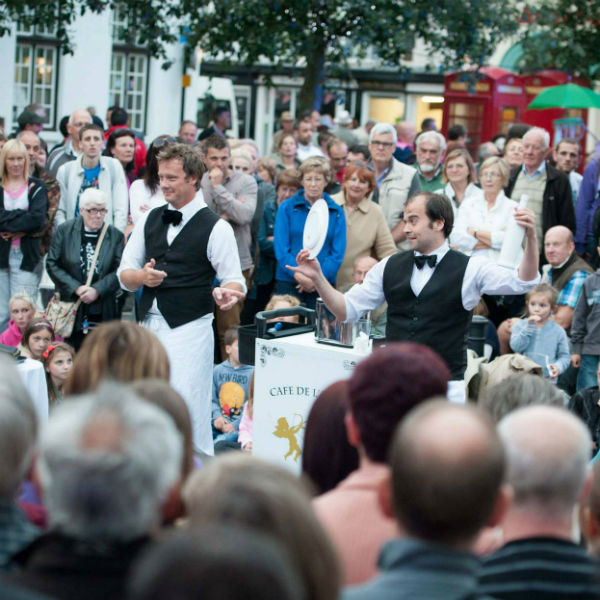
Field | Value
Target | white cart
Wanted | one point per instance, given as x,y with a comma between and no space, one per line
290,372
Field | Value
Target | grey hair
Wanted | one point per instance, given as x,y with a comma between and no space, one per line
382,129
72,119
431,136
548,451
247,142
107,463
18,429
519,391
486,150
92,196
539,131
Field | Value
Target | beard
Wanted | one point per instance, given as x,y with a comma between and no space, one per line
427,167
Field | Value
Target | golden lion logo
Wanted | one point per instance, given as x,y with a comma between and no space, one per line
283,430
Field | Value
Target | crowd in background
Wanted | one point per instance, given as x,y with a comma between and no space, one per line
404,494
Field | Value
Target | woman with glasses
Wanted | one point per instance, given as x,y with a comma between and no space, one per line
482,220
70,260
145,194
23,205
289,228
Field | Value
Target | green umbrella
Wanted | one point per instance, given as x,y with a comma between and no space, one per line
570,95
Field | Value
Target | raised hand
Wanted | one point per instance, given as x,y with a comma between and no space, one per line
225,298
152,276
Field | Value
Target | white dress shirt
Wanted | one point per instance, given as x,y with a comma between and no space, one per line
221,249
481,277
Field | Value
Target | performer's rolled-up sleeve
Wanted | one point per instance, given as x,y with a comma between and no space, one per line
485,277
134,253
366,296
223,255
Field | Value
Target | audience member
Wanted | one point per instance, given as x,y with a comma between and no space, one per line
325,436
213,563
405,146
58,363
513,152
287,127
447,471
519,391
107,464
188,132
406,375
430,147
359,154
343,129
305,149
18,437
21,309
585,403
548,188
567,155
91,170
231,380
587,204
36,337
540,338
237,489
548,453
221,123
119,119
112,351
396,182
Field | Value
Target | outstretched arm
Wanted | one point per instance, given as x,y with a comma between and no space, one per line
311,269
530,263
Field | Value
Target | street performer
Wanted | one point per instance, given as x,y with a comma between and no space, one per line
174,254
431,291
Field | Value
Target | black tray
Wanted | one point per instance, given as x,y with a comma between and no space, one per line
265,329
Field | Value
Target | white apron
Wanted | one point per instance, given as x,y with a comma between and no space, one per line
190,348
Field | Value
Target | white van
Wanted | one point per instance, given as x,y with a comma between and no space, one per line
204,95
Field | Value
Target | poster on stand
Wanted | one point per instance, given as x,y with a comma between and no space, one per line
289,375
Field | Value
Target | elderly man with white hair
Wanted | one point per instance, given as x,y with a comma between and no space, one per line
18,436
84,255
430,148
108,465
396,182
548,188
548,451
71,149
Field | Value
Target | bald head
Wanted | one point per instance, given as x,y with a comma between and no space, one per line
406,132
548,451
558,245
362,266
447,469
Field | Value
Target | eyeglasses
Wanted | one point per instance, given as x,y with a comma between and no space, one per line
95,211
489,175
382,144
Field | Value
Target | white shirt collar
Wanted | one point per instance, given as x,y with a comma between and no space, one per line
439,252
191,208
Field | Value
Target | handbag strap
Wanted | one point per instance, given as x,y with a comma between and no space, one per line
95,257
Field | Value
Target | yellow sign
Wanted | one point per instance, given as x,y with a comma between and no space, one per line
186,81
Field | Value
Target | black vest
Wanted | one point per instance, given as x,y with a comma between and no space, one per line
186,293
436,317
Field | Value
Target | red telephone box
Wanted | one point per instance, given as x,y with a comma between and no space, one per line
545,118
486,107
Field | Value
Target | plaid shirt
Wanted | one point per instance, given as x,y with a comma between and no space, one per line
569,295
16,532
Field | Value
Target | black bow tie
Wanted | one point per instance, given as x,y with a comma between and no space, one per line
172,216
420,260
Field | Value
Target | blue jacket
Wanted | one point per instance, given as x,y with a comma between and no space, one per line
289,227
587,202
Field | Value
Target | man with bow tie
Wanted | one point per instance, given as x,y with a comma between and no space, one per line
431,291
174,254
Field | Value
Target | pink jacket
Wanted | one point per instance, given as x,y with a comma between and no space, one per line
11,336
245,432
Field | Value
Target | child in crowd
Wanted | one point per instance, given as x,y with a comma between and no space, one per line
278,301
37,336
539,337
231,380
22,309
245,436
585,332
58,362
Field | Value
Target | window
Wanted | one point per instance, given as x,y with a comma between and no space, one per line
128,85
128,71
36,65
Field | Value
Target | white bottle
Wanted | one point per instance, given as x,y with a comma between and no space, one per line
512,246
